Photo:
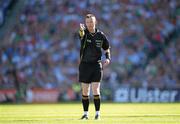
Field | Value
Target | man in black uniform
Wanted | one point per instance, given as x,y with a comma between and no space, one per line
90,68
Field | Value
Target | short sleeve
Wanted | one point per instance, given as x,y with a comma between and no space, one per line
105,44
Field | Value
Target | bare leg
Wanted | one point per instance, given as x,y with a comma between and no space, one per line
85,99
97,100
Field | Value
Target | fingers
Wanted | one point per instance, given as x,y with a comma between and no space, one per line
82,27
81,31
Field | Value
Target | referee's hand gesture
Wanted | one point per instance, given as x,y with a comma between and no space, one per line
82,27
81,30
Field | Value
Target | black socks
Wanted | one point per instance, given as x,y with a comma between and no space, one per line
85,102
97,102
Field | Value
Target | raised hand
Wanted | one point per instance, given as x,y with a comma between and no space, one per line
81,31
82,27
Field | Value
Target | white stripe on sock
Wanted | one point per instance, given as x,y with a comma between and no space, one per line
97,112
85,112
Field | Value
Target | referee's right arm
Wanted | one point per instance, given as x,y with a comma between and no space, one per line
81,31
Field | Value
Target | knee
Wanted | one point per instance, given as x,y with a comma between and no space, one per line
96,91
85,91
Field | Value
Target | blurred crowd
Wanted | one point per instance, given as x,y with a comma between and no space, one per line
42,49
5,5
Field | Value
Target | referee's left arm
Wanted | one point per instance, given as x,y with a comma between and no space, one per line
108,54
106,47
108,57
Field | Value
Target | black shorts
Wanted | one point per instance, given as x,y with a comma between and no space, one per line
90,72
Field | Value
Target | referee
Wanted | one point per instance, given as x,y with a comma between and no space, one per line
91,67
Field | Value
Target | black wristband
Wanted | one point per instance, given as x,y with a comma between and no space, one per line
108,56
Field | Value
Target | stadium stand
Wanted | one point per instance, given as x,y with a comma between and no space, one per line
42,49
5,5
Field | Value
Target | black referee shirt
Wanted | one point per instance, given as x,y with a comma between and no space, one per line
91,45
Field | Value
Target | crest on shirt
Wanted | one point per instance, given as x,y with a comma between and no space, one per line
98,43
88,40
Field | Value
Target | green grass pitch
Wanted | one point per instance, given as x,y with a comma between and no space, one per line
111,113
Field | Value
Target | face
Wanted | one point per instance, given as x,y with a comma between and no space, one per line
91,23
